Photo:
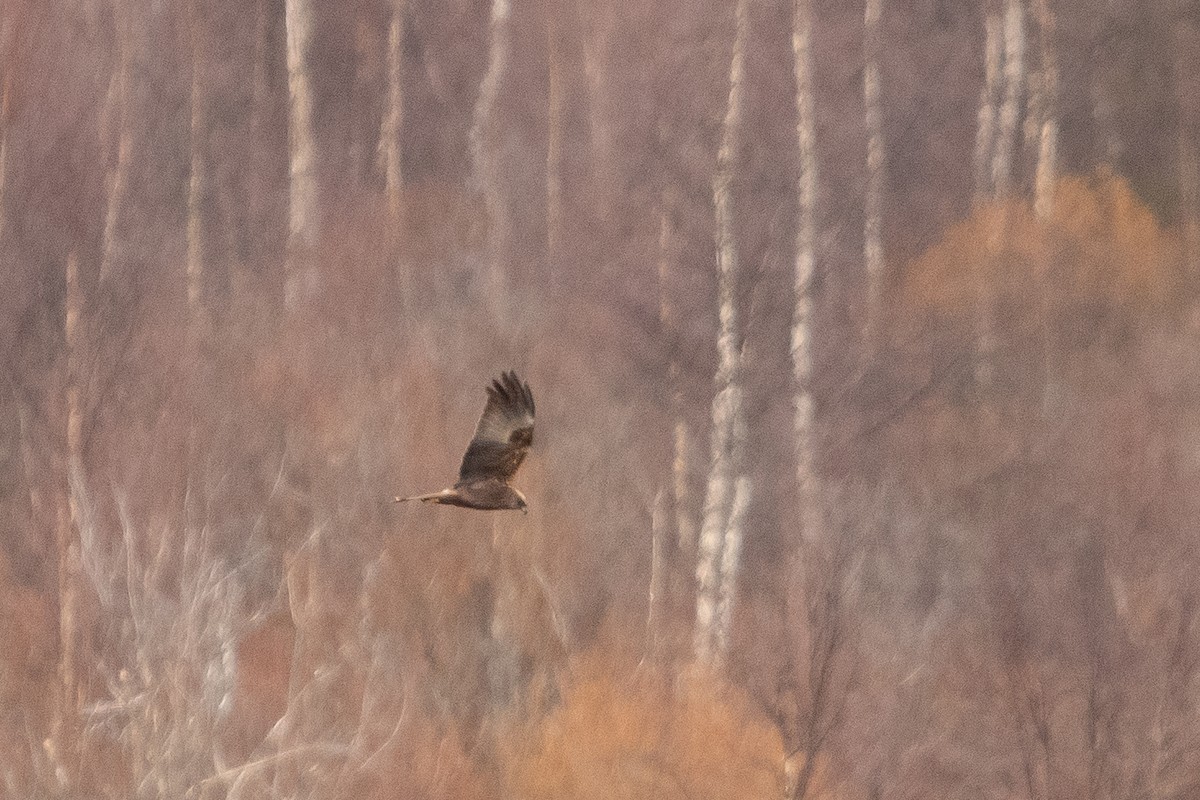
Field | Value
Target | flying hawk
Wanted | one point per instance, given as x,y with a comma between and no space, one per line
502,438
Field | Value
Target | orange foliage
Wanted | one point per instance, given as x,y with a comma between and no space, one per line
1099,243
636,738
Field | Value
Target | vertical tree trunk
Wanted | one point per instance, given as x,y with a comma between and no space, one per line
720,533
195,196
1047,155
806,243
1044,131
731,555
681,550
681,472
795,613
67,539
5,91
1187,79
595,49
1004,148
989,101
554,139
303,223
876,170
656,594
483,164
194,269
262,225
393,119
118,105
259,89
1014,90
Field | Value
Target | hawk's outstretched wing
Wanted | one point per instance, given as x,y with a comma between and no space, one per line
504,433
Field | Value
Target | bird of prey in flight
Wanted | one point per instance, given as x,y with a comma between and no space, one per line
502,438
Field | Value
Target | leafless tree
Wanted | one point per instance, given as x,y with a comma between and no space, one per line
989,102
391,130
196,182
1009,118
484,166
302,157
1046,171
728,490
873,255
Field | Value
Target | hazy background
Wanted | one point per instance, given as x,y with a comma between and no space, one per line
250,293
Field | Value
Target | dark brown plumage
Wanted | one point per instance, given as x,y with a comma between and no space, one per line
502,438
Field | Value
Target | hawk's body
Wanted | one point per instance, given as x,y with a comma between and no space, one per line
502,438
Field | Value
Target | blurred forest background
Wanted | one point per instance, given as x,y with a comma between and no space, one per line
863,337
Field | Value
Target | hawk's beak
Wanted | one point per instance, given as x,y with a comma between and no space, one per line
524,509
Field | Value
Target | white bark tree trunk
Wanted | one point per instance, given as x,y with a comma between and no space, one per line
806,243
656,592
681,471
727,491
595,49
195,196
681,439
1187,79
1004,147
117,105
989,101
876,170
259,88
61,745
1046,173
303,222
483,163
393,119
731,556
74,305
1014,92
554,141
5,91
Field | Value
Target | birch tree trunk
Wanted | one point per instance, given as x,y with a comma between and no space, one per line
484,169
726,491
260,194
1187,79
5,92
303,223
259,88
1044,131
657,590
1005,145
989,101
69,549
681,471
117,105
681,440
554,137
393,119
679,512
61,745
806,243
195,196
731,555
873,203
1014,90
1046,172
595,49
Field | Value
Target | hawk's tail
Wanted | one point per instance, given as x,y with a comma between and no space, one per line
432,497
